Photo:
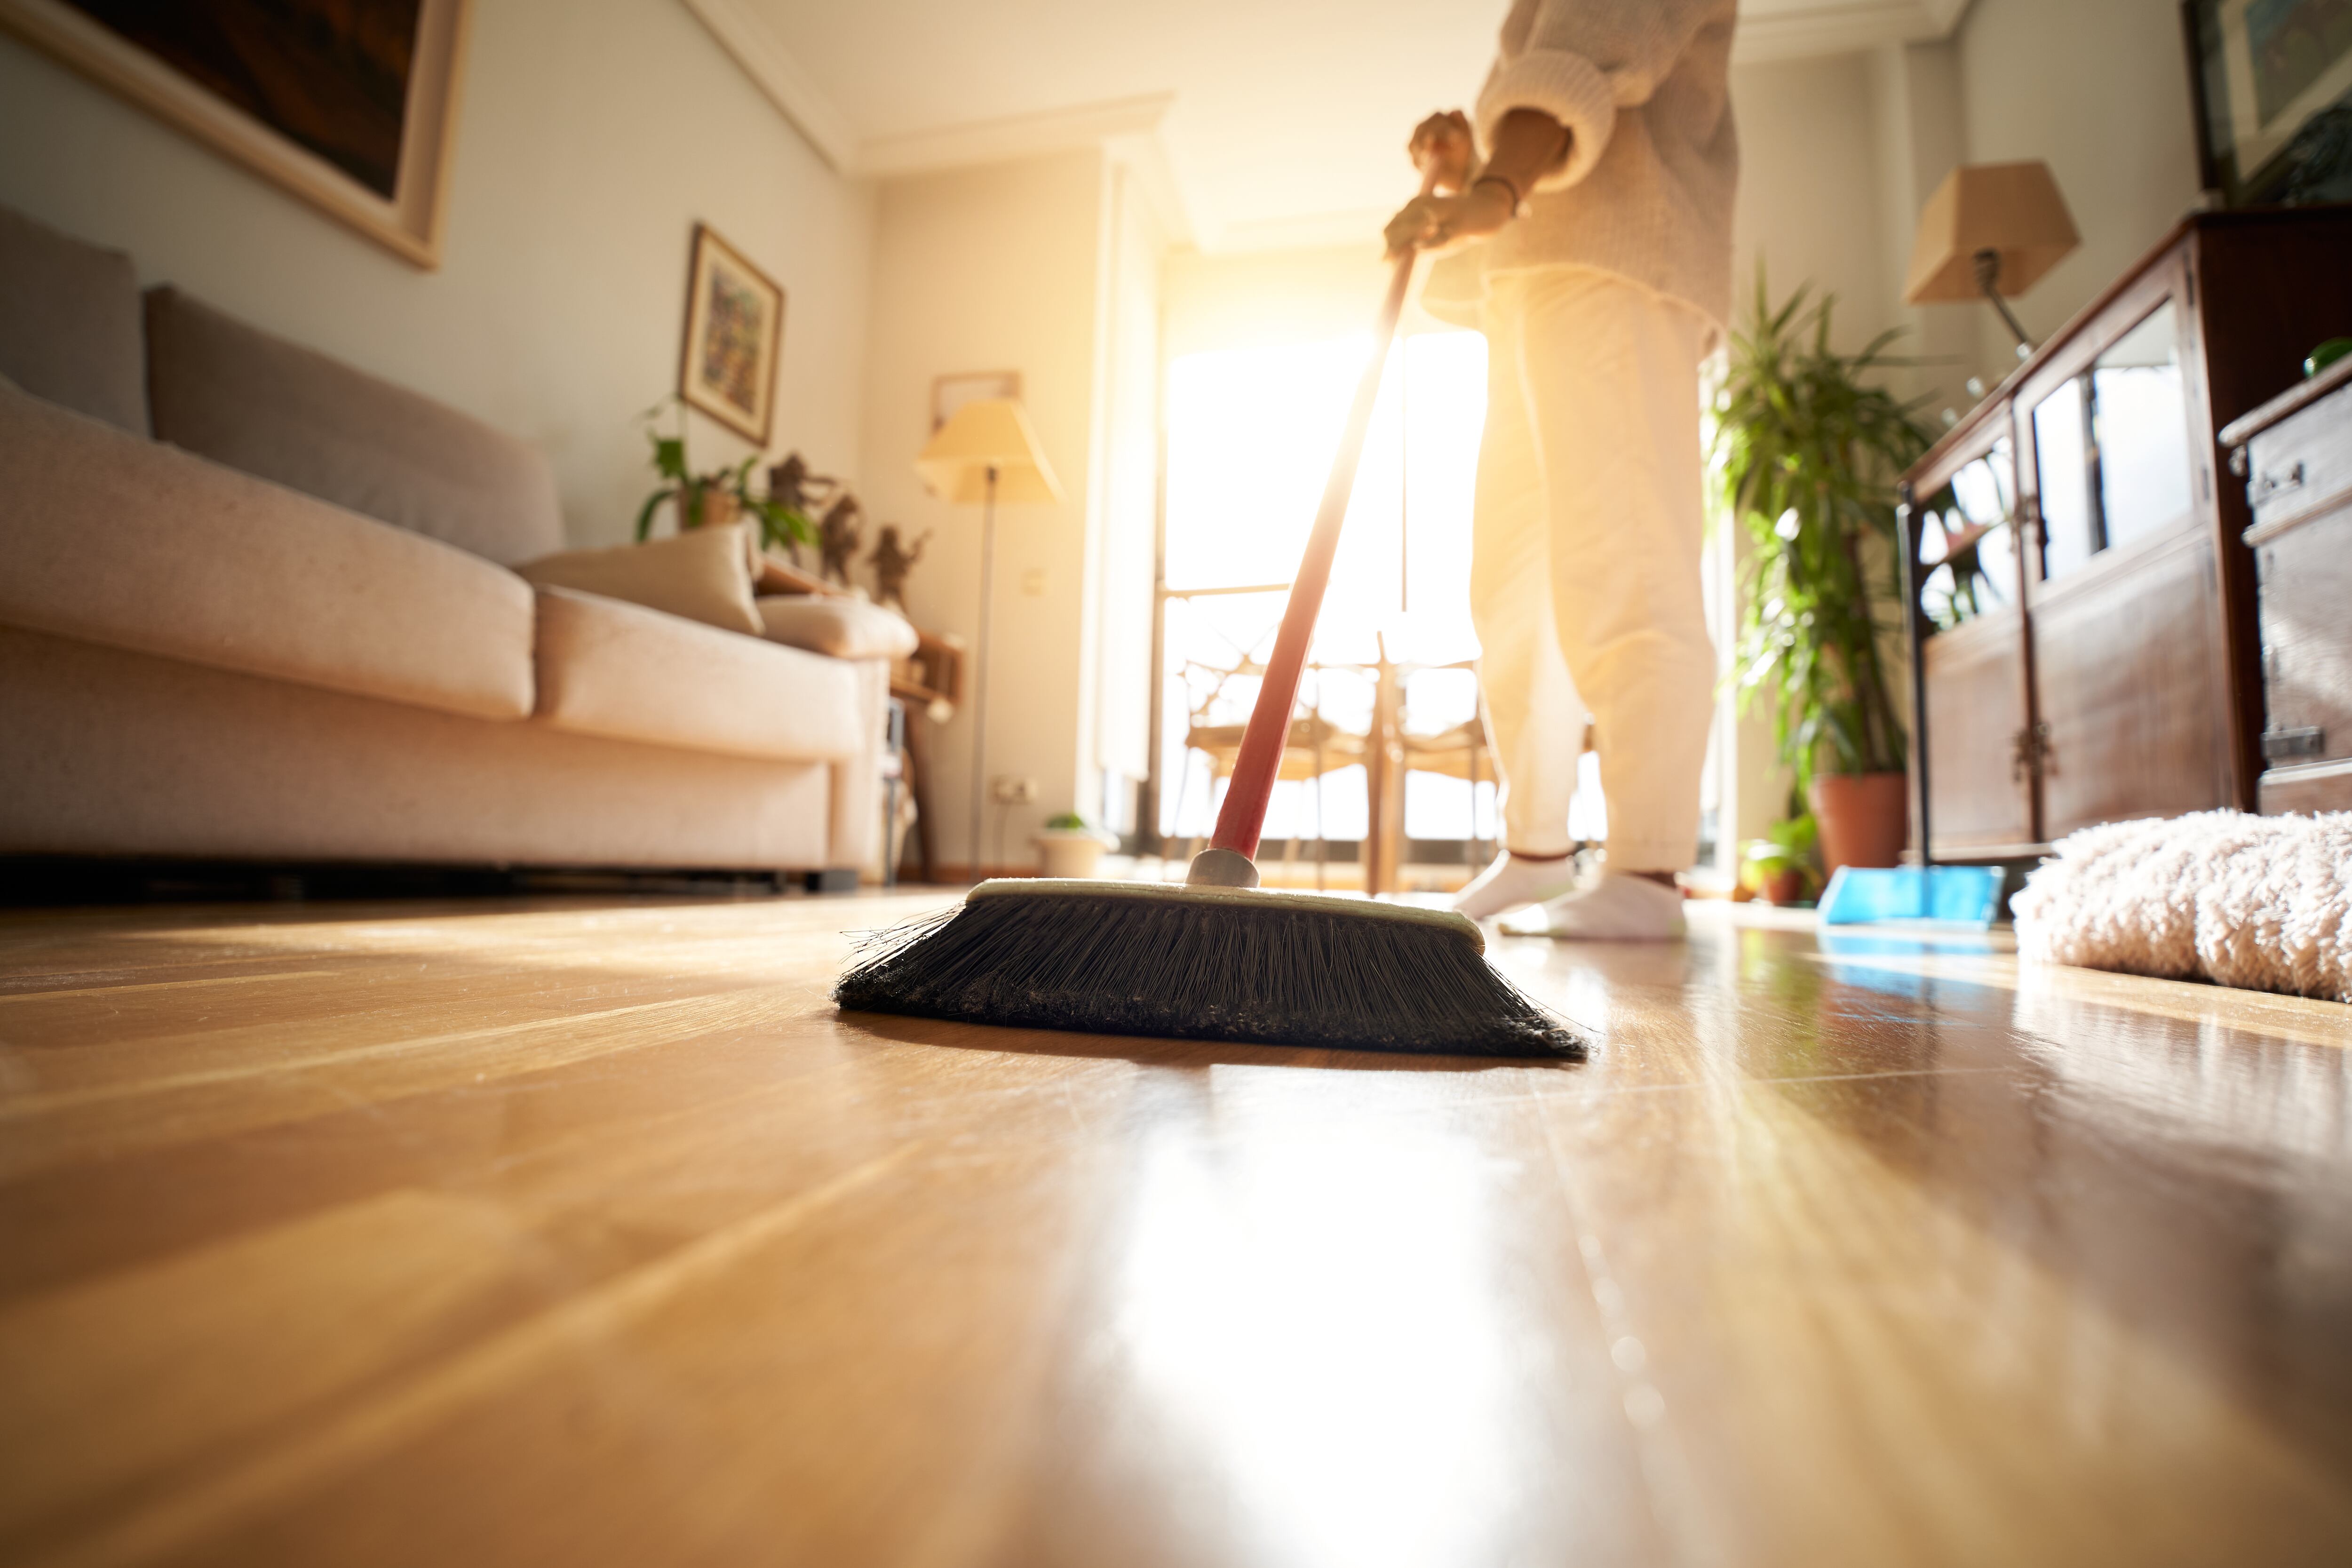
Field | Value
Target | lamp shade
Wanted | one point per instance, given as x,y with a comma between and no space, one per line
2012,209
990,433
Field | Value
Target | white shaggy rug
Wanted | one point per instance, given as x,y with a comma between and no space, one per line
2259,902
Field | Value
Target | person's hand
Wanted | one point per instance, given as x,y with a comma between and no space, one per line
1441,223
1442,150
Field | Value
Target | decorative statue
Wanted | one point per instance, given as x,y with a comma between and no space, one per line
891,564
793,488
837,538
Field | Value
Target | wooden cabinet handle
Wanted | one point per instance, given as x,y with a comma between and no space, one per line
2269,485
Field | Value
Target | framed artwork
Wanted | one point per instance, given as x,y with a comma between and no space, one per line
2273,80
734,329
949,392
349,104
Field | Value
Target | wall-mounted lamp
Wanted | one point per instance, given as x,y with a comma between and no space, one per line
1989,228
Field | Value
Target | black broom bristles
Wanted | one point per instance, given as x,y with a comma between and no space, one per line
1269,968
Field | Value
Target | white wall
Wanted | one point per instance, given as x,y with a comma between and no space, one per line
592,135
1920,135
980,269
2099,89
1807,208
1810,211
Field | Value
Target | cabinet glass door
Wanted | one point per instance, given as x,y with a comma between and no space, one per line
1969,543
2140,417
1974,658
2111,448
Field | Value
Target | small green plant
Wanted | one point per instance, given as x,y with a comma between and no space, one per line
780,525
1067,821
1808,455
1787,846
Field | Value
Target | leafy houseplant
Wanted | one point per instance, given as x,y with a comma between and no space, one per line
1779,867
1808,453
714,498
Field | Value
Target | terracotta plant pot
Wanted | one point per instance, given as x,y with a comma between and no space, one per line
1783,888
1865,818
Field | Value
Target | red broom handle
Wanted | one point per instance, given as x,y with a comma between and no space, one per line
1252,786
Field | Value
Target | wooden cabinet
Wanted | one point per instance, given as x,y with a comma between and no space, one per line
2089,652
2295,454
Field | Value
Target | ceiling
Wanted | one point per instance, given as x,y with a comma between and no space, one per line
1274,122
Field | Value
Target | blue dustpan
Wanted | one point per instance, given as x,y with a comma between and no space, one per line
1948,895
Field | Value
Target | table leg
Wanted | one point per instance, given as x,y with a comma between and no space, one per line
918,781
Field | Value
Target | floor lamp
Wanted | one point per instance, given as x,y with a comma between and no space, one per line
987,452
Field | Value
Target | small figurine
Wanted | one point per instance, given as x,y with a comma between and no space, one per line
793,487
837,538
891,564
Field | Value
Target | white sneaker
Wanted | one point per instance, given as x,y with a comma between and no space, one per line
1624,907
1511,882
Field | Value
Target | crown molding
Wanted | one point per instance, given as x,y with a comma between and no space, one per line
1144,154
748,39
1013,136
1833,28
1126,128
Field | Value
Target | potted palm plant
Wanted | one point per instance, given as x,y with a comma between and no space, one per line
1808,453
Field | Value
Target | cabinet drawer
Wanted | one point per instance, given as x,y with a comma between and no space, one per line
2306,791
2304,572
2303,462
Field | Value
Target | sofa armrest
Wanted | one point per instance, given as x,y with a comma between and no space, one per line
836,627
110,538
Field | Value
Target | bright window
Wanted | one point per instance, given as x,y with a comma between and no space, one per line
1250,438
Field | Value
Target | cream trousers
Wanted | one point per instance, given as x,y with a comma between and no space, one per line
1584,577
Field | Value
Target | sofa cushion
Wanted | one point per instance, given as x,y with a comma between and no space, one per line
240,396
704,574
843,628
632,674
110,538
112,753
69,322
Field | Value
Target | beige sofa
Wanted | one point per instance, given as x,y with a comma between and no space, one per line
284,630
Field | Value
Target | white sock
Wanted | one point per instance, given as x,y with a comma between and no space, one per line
1624,908
1511,882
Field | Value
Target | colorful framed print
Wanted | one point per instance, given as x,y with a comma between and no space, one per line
350,106
2273,83
734,330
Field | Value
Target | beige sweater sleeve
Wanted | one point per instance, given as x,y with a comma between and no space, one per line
1580,61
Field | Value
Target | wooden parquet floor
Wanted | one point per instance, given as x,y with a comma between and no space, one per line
586,1232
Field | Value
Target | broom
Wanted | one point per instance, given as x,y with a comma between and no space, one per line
1219,958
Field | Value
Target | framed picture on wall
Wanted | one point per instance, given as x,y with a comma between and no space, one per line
2273,80
349,104
949,392
734,329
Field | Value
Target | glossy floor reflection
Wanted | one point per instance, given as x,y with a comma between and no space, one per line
580,1233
